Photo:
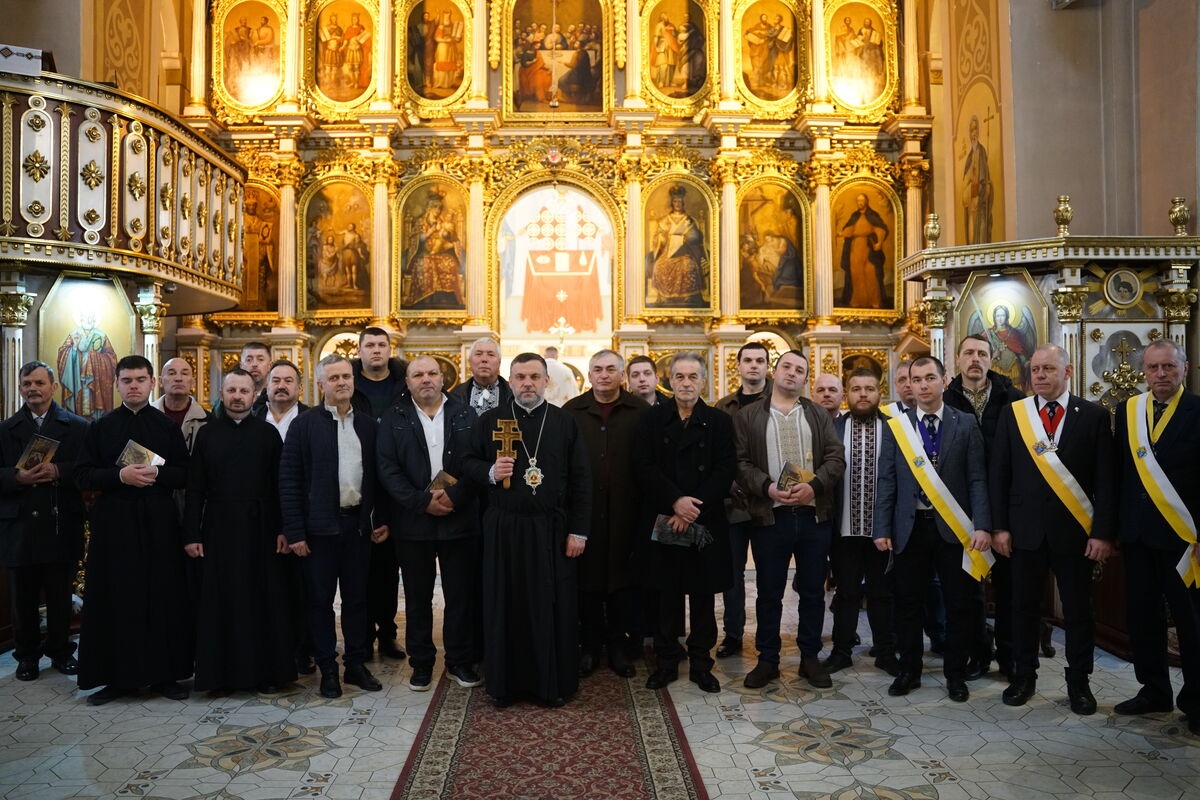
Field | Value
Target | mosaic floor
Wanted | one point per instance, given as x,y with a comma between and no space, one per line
785,741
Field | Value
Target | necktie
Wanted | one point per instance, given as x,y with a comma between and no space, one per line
931,423
1050,417
38,421
1159,408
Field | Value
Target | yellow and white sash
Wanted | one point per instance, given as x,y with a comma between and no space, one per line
1053,470
891,410
975,563
1142,435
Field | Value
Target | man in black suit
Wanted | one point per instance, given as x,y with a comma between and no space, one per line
1054,506
945,447
1165,439
41,522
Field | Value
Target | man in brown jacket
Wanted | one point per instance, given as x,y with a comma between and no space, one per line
789,429
607,417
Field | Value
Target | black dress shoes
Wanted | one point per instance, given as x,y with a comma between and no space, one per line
67,666
905,682
957,691
1083,702
730,646
388,649
838,660
619,664
106,695
330,685
705,680
554,702
763,673
172,690
889,664
811,669
1139,704
305,665
977,668
1019,692
360,676
587,663
661,677
27,669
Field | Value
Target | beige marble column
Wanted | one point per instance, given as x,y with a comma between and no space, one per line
197,105
151,310
381,250
823,249
289,260
15,304
635,270
633,56
477,317
820,73
728,277
385,66
291,58
479,63
726,43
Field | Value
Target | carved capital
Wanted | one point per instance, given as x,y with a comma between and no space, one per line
917,321
724,170
14,308
1177,305
631,169
477,168
1068,303
915,173
151,314
936,310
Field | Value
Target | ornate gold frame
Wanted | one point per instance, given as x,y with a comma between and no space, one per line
684,315
886,102
776,316
896,311
251,317
880,354
677,106
224,106
500,205
425,107
1042,308
316,99
508,78
787,106
332,316
428,316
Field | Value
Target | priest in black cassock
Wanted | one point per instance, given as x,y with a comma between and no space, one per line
244,637
136,627
532,533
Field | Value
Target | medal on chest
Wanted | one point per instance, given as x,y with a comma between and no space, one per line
533,475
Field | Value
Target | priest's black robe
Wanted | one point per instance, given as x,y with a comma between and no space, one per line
244,635
137,630
531,622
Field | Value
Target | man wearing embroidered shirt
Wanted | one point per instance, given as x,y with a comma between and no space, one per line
946,446
1166,439
1053,492
485,389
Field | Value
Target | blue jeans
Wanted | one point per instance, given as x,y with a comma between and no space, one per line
734,621
794,533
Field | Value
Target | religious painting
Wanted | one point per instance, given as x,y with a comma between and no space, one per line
680,240
558,57
436,42
1110,371
336,233
1012,313
555,246
1123,288
768,49
260,250
861,55
251,53
432,225
678,53
772,251
84,327
1123,292
866,247
343,53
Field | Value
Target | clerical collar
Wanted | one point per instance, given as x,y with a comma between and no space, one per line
133,410
529,410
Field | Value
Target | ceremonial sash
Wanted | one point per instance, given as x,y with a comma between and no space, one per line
1156,482
1050,465
891,410
975,563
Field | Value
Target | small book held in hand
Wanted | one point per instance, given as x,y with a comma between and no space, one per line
40,450
695,535
135,453
443,480
792,475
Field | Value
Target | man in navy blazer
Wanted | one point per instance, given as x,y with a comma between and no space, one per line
1151,547
921,542
1036,530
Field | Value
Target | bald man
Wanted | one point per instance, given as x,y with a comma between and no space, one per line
177,381
828,393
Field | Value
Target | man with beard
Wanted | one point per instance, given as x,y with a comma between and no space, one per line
422,446
177,382
231,525
485,389
854,557
643,380
607,419
255,359
41,521
137,629
534,529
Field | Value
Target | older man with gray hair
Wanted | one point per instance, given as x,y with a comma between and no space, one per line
485,389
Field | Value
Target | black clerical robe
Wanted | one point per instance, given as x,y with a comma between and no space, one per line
136,630
244,635
531,623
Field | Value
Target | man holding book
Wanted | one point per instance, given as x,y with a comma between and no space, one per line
41,519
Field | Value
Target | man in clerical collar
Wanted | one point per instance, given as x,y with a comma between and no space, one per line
534,529
643,380
177,382
485,389
828,393
41,520
1161,430
283,397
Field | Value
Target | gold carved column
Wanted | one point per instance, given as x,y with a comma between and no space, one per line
15,304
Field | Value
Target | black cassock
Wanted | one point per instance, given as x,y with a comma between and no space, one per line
530,616
244,634
137,629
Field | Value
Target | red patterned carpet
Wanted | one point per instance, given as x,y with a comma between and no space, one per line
614,741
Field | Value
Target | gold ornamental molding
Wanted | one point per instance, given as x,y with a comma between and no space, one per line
555,157
339,161
854,162
14,308
764,162
1177,305
1069,303
676,159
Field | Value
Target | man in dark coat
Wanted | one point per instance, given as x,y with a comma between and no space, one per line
137,629
643,380
485,389
607,417
420,438
379,385
331,515
684,463
533,531
41,521
231,527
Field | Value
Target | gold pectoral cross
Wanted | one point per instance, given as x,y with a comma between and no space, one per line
508,434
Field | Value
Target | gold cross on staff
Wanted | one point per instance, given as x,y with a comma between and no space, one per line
508,434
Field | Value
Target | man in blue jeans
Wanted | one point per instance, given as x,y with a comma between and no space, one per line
789,517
